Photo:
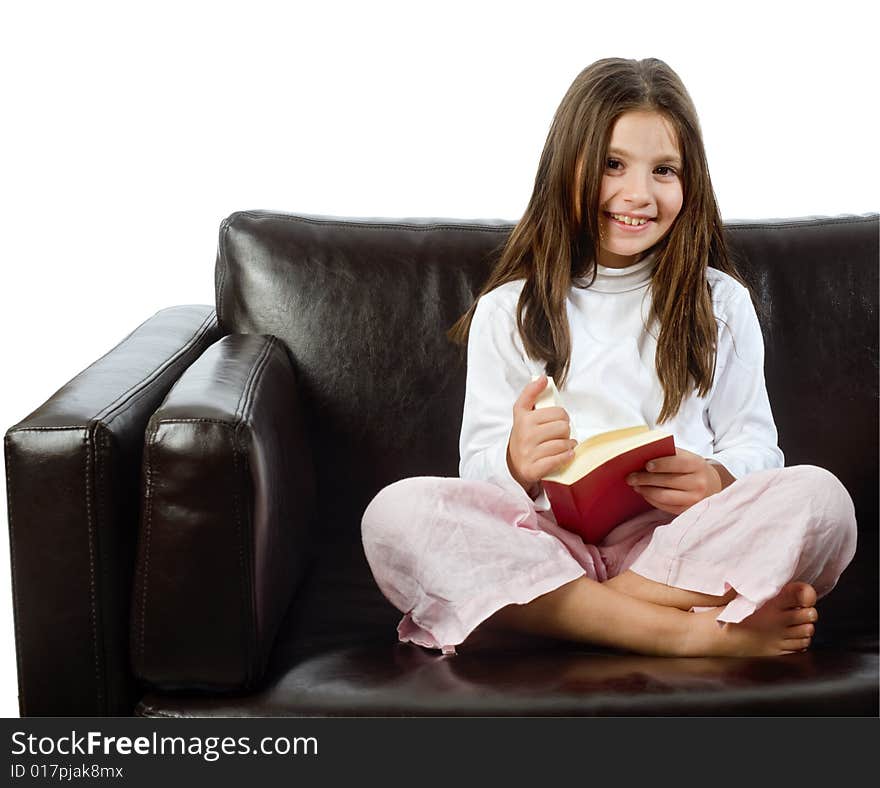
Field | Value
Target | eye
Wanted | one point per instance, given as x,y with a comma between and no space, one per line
670,170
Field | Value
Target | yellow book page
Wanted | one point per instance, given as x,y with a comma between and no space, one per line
591,453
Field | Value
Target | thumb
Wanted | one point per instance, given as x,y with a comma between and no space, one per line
529,395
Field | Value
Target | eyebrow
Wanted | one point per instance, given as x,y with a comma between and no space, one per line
670,157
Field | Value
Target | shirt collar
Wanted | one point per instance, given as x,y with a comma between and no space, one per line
621,280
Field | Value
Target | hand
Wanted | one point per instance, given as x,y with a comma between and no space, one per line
674,484
539,440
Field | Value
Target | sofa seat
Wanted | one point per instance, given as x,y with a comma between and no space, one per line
383,678
337,654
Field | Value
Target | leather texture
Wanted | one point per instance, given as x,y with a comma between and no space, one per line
506,678
228,507
73,470
361,307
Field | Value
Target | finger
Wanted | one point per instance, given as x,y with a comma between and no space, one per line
544,415
551,464
680,463
551,448
674,510
553,430
672,481
529,395
660,495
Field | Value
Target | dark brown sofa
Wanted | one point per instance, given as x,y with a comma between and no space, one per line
184,514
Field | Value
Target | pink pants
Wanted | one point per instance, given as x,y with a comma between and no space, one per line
450,552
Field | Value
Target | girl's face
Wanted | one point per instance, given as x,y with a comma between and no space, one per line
642,178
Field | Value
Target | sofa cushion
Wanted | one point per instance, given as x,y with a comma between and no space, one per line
226,525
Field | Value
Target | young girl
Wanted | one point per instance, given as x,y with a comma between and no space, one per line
605,285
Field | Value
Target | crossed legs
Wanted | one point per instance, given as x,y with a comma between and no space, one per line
635,585
587,611
802,504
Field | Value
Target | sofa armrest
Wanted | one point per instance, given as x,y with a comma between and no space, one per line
228,506
72,482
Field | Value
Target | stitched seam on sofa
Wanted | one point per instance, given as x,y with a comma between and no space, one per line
252,376
803,225
382,225
807,221
243,410
90,461
243,584
147,541
49,429
224,232
246,411
130,395
247,406
102,514
17,615
224,422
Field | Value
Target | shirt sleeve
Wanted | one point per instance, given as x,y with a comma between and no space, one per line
497,372
739,409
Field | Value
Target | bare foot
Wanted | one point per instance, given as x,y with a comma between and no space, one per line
783,625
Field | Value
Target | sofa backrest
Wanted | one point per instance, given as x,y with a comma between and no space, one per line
363,306
816,282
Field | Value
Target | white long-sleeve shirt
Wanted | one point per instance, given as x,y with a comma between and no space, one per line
612,382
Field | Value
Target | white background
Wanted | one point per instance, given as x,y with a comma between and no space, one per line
130,131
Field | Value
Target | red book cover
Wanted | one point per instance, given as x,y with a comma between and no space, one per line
594,504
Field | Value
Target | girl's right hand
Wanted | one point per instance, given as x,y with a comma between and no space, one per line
539,440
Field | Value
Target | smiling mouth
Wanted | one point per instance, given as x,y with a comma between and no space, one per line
627,220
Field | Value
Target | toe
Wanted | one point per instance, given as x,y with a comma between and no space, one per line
790,596
800,631
805,594
801,615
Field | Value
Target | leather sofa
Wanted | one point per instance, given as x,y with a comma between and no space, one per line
184,514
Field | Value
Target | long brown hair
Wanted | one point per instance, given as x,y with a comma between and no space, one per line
553,242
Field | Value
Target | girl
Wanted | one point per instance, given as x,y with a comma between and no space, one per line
605,285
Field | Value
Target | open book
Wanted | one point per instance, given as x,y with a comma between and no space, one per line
589,495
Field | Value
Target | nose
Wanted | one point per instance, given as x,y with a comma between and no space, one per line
635,186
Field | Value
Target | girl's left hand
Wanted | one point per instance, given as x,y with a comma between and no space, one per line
674,484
